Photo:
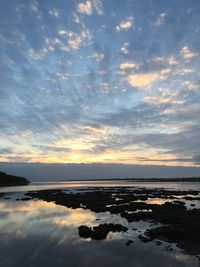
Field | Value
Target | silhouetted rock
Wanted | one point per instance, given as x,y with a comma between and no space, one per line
184,231
158,243
84,231
25,198
144,239
2,195
129,242
101,231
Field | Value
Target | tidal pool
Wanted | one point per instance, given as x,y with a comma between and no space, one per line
40,233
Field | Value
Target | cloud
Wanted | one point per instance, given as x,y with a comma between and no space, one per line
191,86
63,76
54,12
98,6
76,18
98,56
6,150
188,54
50,148
169,60
172,60
125,24
88,7
194,159
143,80
77,40
34,6
124,48
127,66
53,43
85,8
164,97
73,40
105,85
160,20
38,54
62,32
48,172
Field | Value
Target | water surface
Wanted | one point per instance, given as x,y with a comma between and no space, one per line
39,233
102,183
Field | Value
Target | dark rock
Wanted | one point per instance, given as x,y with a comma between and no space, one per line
129,242
144,239
84,231
25,198
158,243
186,233
169,248
182,226
2,195
101,231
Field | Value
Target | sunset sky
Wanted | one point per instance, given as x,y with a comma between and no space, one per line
100,81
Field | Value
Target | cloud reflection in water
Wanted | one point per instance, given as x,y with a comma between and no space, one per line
37,233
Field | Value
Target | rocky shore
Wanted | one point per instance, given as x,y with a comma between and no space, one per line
179,224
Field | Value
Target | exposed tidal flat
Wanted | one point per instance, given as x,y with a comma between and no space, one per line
101,224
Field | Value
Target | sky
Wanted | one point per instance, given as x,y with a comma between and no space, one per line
100,81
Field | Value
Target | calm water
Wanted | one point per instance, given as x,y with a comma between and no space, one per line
36,233
111,183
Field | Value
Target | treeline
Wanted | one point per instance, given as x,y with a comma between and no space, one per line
12,180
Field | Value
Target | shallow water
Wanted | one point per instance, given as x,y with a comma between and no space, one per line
109,183
39,233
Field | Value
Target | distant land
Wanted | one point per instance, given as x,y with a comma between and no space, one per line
178,179
12,180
